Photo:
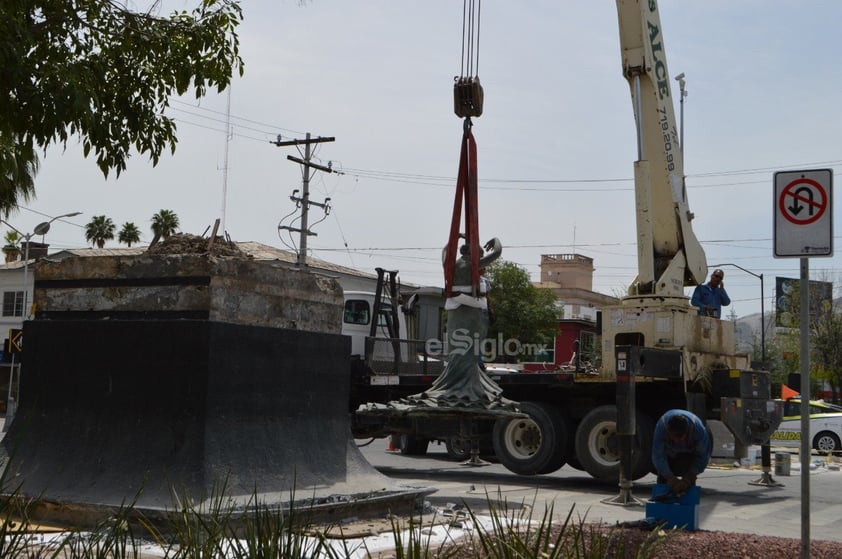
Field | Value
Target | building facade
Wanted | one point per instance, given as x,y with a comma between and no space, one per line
570,277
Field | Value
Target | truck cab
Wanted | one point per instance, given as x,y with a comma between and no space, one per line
357,317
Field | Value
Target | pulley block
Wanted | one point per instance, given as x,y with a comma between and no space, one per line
467,97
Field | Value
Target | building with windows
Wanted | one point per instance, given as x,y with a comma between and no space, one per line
13,274
16,286
12,288
570,277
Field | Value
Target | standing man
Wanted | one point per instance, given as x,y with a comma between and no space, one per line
681,449
710,297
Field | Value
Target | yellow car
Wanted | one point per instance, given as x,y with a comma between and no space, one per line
825,426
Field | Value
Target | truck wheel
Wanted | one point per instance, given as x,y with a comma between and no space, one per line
413,446
597,445
458,448
533,445
642,451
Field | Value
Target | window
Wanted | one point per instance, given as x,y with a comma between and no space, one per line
356,312
792,409
588,347
546,355
13,303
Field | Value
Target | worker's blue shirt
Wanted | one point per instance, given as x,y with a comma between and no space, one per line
705,296
697,442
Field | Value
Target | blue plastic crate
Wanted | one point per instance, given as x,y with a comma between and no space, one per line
673,515
692,497
677,512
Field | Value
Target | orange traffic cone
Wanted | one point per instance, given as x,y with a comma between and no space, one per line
391,446
787,392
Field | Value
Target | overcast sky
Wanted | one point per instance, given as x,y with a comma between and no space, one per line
556,142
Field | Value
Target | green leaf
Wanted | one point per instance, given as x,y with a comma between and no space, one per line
104,73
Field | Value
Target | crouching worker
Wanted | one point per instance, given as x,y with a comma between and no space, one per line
680,450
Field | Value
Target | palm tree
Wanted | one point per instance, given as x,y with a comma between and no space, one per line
18,166
164,224
12,246
99,230
129,234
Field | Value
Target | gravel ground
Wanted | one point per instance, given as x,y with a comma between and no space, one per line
726,545
677,544
632,538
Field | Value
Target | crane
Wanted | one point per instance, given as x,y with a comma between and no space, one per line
655,311
669,255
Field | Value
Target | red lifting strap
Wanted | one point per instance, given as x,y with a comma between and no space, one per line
466,187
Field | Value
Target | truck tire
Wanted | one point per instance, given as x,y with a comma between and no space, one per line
458,448
534,445
645,435
412,445
597,446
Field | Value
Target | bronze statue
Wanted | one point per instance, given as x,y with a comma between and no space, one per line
463,383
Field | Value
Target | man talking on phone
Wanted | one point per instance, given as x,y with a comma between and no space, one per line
710,297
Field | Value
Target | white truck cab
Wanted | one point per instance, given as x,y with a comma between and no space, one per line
356,322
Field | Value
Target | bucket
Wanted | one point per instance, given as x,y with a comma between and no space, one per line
782,463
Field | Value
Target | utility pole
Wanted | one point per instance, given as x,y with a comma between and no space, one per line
305,189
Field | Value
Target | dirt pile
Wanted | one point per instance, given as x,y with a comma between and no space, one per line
185,243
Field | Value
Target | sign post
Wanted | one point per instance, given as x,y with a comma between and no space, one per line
803,213
804,228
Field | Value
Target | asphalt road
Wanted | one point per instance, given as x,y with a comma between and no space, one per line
729,502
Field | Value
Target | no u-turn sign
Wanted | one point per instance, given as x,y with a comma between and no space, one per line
803,213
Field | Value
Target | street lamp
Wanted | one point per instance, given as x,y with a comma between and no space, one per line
40,229
762,304
683,93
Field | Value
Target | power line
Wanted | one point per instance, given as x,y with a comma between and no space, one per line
436,180
273,127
